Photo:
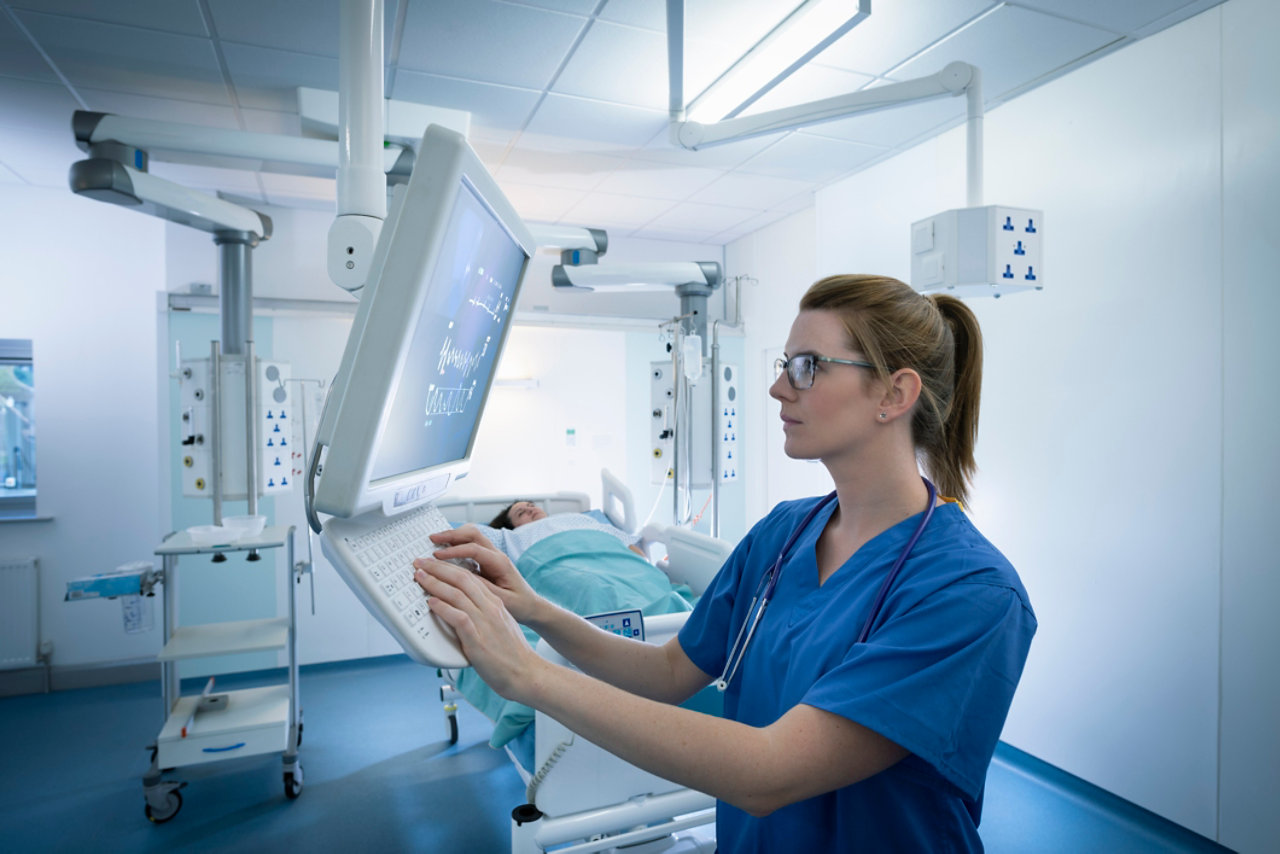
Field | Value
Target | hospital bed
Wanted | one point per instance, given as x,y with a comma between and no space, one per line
577,793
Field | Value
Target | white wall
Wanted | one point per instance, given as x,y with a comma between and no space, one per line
80,279
1122,418
1250,740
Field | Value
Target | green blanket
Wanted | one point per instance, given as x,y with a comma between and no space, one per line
587,572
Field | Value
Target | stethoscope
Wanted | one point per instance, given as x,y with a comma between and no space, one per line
770,580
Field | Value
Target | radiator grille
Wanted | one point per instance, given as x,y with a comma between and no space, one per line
19,613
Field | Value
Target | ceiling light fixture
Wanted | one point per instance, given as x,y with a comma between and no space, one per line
798,38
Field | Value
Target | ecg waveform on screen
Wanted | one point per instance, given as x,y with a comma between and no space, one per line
448,401
494,309
460,358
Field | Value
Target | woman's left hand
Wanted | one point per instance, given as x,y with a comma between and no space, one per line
490,636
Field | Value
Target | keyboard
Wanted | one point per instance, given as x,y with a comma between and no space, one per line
374,555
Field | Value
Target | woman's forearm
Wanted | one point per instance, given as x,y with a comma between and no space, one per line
634,666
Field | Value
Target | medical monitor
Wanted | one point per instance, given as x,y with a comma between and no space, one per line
401,418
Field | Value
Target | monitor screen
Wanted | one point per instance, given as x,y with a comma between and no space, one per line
454,352
400,420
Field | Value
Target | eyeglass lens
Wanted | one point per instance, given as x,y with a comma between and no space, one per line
799,370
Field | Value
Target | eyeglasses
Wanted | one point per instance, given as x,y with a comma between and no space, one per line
800,369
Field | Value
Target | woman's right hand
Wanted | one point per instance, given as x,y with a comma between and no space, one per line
495,567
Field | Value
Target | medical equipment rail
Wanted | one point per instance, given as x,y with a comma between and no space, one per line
247,722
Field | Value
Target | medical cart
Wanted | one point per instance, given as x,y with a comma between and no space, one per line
224,725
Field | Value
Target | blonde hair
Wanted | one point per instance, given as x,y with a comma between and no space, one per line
936,336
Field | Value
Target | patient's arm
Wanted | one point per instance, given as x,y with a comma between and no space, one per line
806,752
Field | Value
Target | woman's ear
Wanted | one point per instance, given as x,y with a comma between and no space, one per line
901,395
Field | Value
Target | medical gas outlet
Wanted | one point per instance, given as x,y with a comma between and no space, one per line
984,251
277,435
730,462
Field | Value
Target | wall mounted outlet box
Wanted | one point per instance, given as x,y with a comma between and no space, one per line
986,251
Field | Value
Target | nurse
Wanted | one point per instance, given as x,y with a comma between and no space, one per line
864,702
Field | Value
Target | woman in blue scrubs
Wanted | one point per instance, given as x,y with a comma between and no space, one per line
863,704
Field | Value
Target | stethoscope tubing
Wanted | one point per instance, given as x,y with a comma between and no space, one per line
770,580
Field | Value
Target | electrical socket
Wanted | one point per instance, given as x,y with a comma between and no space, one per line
984,251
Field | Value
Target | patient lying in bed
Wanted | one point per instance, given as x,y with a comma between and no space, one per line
581,564
524,523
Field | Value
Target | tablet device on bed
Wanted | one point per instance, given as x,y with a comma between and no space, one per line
400,421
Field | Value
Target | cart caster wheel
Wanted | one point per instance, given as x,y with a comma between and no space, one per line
299,735
293,784
453,729
173,803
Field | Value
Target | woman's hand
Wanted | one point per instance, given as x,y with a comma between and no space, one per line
490,637
506,581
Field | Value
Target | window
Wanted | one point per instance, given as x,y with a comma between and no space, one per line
17,429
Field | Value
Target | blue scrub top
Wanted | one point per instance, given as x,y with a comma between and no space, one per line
936,675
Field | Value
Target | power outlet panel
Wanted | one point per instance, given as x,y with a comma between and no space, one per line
985,251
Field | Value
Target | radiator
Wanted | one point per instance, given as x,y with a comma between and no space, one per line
19,613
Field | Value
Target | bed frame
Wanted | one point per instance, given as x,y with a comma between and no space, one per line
578,792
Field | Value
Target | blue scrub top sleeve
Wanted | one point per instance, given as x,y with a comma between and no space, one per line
938,679
705,635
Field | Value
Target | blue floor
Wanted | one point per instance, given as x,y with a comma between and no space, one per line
380,775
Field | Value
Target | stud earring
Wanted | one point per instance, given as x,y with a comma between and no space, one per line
884,415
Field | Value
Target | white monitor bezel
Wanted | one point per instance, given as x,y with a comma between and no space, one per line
360,400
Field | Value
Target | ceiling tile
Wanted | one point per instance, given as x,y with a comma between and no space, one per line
1017,45
571,170
896,31
487,41
31,105
128,59
8,176
659,231
1181,13
605,210
490,105
19,58
649,14
572,7
747,226
619,64
164,15
658,181
267,79
310,27
540,204
703,218
1128,17
758,192
809,158
811,83
614,125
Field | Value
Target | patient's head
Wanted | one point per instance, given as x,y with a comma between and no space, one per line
519,513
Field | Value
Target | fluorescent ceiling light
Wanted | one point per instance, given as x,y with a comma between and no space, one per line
802,35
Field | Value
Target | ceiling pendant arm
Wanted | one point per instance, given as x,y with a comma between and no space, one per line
675,58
